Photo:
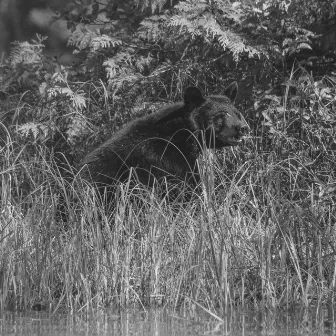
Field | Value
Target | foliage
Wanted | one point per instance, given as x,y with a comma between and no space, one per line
50,112
261,231
254,239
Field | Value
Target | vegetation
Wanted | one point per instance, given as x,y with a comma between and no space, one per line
261,231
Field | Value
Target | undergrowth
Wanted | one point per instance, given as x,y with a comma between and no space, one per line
259,230
260,233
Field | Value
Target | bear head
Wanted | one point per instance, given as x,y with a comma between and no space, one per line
214,118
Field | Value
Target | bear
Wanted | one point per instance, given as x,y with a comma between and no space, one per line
167,143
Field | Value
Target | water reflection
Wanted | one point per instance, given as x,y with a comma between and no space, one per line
165,322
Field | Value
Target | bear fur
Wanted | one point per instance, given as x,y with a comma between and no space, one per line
167,143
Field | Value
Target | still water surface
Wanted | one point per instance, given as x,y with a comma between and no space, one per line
166,323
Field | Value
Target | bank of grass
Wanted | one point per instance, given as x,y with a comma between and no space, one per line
259,233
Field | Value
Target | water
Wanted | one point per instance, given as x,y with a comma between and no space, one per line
164,323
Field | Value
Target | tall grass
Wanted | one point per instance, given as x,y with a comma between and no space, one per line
260,233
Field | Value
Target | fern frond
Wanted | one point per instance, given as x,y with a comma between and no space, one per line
76,127
59,77
77,99
186,25
228,40
81,38
151,28
103,41
192,6
93,40
157,4
33,128
111,68
27,52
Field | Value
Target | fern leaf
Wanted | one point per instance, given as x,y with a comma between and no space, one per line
35,129
103,41
77,99
27,52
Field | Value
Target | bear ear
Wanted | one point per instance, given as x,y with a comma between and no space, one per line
193,96
231,91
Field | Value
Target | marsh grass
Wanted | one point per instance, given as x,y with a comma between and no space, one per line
260,233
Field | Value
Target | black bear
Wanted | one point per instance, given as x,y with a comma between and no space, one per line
168,142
